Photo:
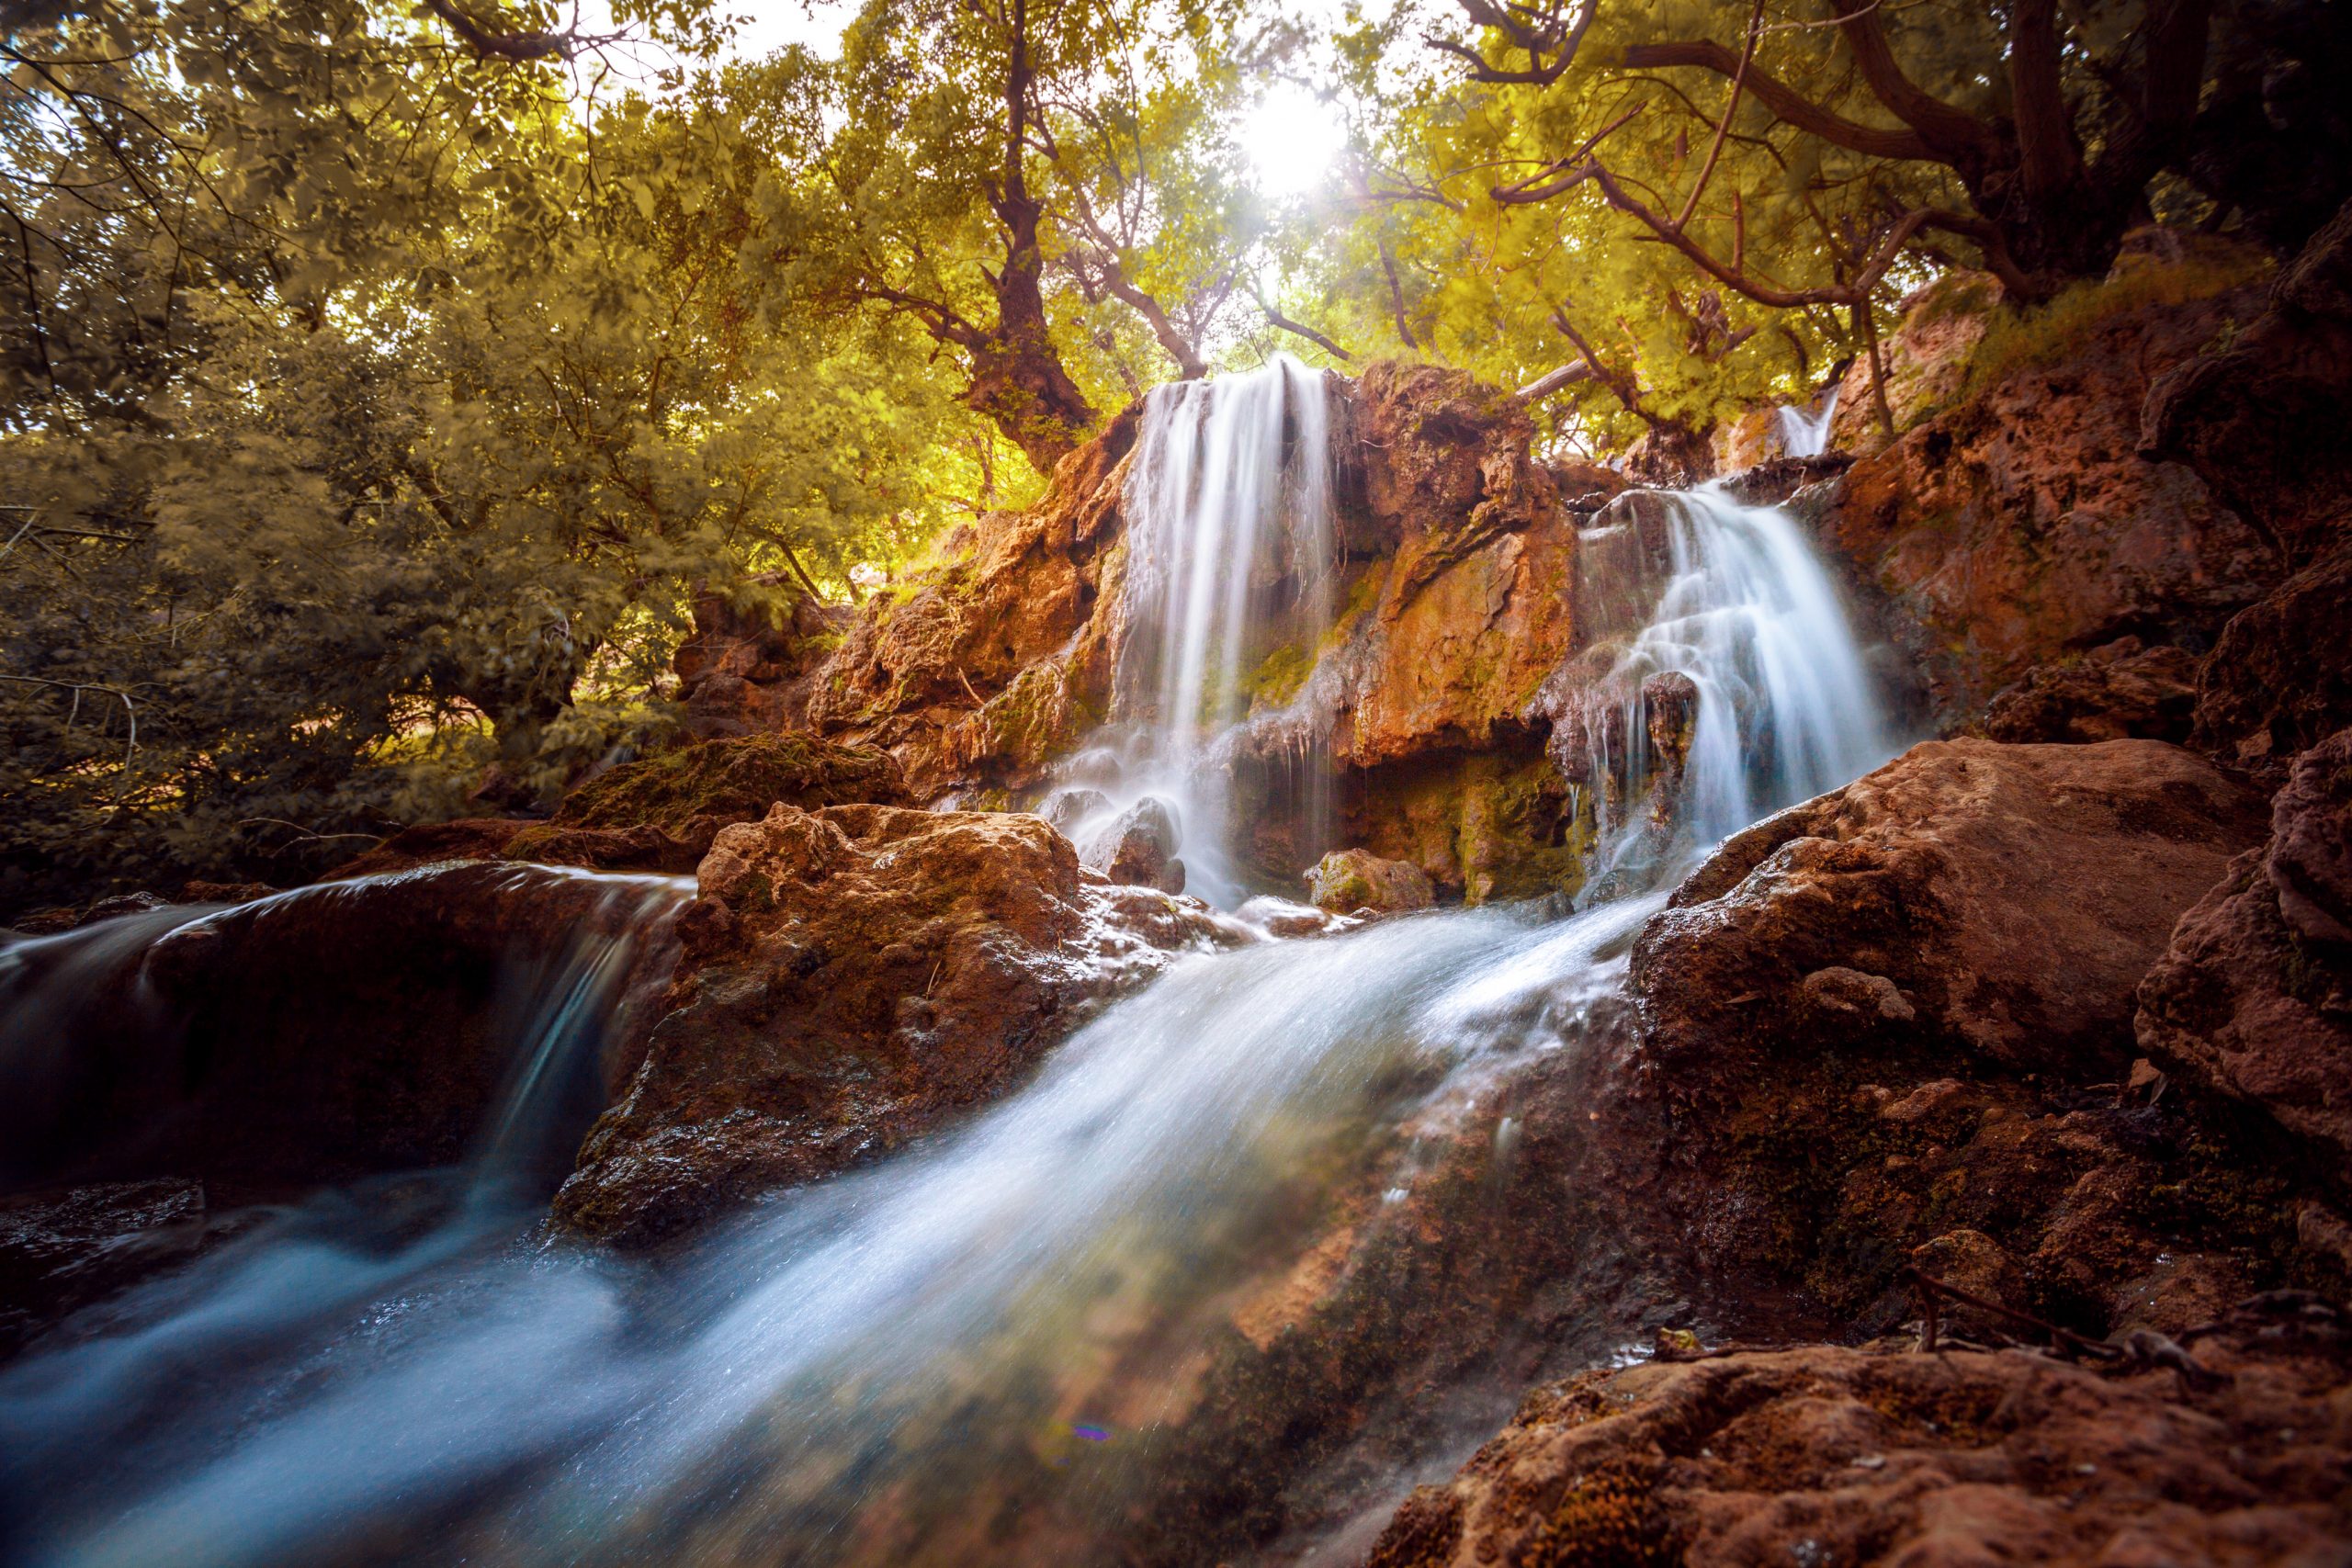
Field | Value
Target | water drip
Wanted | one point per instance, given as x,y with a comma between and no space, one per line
1805,433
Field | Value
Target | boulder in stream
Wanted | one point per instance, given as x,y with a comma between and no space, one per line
852,977
1346,880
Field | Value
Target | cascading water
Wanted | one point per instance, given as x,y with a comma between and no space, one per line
1230,569
994,1346
1722,682
1805,432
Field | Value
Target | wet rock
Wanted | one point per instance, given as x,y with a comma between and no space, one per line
2014,895
62,1249
1066,808
1826,1455
1771,481
1346,880
2253,997
1670,707
1138,846
313,1036
853,976
2121,690
430,843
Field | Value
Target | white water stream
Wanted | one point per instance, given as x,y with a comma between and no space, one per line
1013,1304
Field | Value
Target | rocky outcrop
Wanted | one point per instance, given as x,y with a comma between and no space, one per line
2013,896
1828,1455
2253,997
2122,690
313,1036
2277,681
852,977
2262,419
1346,880
2016,521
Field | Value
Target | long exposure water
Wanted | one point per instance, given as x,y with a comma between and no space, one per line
1005,1320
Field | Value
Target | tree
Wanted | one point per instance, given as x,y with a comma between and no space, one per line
1002,167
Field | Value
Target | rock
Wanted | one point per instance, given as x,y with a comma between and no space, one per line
748,666
1138,846
1972,1262
1842,1002
1346,880
65,1248
2253,997
2277,683
1927,359
430,843
1826,1455
640,847
852,977
1066,808
1771,481
225,892
2013,896
321,1035
2261,420
2023,526
2121,690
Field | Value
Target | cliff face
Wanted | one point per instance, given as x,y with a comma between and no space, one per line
1459,560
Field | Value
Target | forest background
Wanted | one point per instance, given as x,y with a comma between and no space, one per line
382,381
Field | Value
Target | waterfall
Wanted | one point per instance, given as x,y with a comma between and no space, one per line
987,1346
1805,433
1722,680
1229,577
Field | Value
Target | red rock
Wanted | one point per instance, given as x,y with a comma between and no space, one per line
852,977
2253,995
1826,1455
2277,681
2120,691
2013,895
2024,526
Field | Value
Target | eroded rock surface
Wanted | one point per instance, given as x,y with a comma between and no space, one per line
852,976
1827,1455
2012,894
2024,524
2253,995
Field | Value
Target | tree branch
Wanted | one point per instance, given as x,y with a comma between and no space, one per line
1788,106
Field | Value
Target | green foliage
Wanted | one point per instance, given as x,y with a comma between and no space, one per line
2019,338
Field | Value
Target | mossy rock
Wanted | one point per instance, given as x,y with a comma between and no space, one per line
734,780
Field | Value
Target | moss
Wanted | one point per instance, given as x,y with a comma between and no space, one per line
2022,339
1278,678
734,780
1953,296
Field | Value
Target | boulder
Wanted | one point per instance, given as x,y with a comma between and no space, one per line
2121,690
852,977
64,1249
2253,997
1138,848
2013,896
1829,1455
1346,880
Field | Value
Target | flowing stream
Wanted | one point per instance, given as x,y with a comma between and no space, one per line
989,1346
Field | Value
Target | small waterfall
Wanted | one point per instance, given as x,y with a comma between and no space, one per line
1723,682
1805,433
1228,591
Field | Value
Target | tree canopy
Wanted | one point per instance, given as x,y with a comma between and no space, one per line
382,381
